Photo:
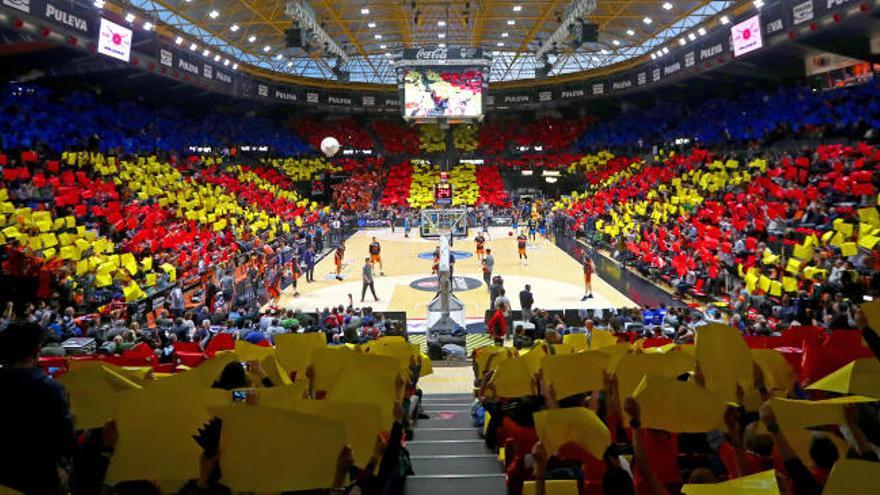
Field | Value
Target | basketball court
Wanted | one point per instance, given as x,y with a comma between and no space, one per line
408,285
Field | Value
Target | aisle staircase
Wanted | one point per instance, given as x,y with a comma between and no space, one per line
448,455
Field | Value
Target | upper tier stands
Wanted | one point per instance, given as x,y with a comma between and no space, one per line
786,113
37,118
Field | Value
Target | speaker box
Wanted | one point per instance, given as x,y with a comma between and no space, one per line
589,33
293,38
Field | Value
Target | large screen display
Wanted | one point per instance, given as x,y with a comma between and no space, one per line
442,92
746,36
114,40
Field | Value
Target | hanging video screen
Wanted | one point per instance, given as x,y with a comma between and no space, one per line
443,92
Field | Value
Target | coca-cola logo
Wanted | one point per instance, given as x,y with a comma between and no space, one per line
435,54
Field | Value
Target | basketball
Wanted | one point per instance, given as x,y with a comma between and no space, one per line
329,146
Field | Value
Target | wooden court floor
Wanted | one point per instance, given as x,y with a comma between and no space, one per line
555,277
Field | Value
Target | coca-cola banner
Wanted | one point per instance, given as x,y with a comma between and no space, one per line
440,55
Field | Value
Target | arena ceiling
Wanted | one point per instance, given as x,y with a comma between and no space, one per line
371,32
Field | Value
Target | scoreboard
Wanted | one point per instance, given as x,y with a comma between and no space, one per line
443,193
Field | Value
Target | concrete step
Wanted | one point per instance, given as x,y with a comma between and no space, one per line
428,434
454,465
455,485
449,447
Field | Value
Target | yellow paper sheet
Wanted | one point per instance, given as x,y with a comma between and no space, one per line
633,367
294,351
572,374
671,405
724,359
860,377
556,427
250,352
800,414
853,477
512,378
576,340
778,374
552,487
94,393
274,450
601,339
162,450
757,484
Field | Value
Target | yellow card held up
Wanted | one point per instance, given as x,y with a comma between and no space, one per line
633,367
671,405
512,378
94,393
572,374
600,339
276,450
757,484
162,450
579,425
860,377
552,487
853,477
800,414
724,359
294,350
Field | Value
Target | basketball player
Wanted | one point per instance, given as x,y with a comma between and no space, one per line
435,266
532,228
337,257
521,241
588,275
376,256
481,247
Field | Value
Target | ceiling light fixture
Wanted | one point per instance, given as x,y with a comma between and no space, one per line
701,31
667,6
234,28
290,64
615,43
178,40
511,22
682,41
206,52
517,8
441,35
129,17
382,46
225,61
279,57
371,25
193,47
217,58
500,43
630,32
234,66
267,48
665,50
98,3
252,38
365,11
505,34
148,26
214,14
442,45
759,4
692,36
378,36
647,20
725,20
441,23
